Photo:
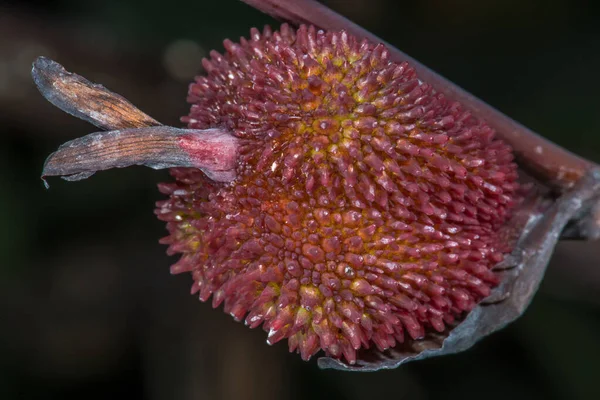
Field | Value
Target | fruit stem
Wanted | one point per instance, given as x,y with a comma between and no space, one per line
134,138
214,151
556,166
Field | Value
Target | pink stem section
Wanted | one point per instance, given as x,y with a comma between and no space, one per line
214,151
554,164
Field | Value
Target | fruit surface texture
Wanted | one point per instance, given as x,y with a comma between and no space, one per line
366,210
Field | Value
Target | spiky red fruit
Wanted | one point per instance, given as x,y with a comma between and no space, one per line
366,207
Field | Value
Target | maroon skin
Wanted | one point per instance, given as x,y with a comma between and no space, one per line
365,209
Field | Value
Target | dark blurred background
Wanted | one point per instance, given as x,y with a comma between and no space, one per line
87,306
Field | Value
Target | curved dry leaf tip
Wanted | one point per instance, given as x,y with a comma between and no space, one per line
83,99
